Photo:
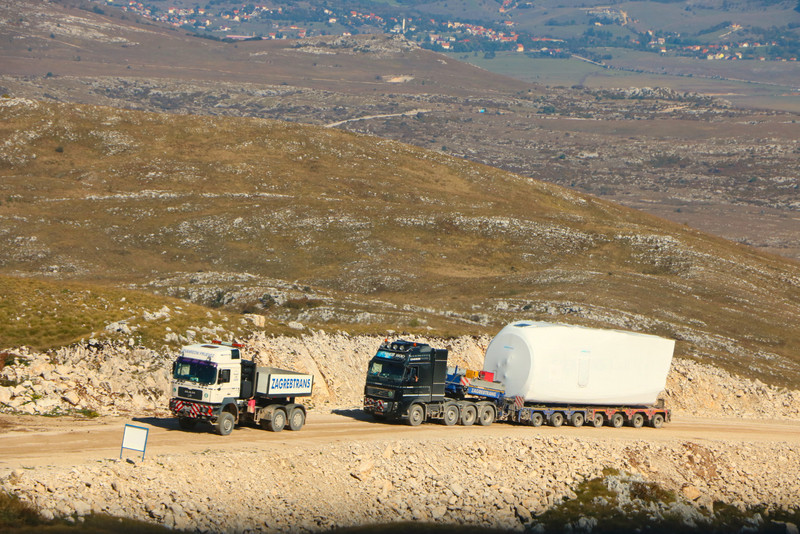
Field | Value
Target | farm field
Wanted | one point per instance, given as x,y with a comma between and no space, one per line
748,84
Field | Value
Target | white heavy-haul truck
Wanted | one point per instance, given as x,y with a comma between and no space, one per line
533,373
212,383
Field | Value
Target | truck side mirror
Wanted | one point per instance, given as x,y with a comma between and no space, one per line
224,376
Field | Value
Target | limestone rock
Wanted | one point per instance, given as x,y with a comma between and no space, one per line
72,397
691,493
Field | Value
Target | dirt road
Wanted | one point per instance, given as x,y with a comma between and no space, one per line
384,116
31,441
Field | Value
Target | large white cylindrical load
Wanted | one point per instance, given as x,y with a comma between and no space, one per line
564,364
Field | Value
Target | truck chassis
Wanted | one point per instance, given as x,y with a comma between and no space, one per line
577,416
464,412
468,412
270,414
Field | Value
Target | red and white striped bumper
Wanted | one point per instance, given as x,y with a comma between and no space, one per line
183,408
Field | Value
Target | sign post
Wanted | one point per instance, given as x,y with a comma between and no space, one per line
134,438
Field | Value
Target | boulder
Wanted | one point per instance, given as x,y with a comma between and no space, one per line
691,493
72,397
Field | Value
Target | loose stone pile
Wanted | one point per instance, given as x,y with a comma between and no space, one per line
108,380
707,391
492,482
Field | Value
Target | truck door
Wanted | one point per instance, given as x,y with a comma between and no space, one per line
417,383
228,383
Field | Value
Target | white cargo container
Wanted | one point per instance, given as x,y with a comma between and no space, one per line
556,363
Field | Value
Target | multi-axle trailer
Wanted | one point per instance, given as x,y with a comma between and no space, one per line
412,382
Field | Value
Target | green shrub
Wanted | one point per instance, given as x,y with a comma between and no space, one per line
15,513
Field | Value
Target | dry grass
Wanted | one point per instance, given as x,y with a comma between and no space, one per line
45,314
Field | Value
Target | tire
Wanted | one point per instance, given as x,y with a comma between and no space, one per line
278,420
415,415
617,420
450,416
225,423
486,415
657,421
556,419
598,420
577,420
468,415
297,419
537,419
187,423
637,420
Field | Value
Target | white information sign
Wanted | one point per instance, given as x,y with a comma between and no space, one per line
134,438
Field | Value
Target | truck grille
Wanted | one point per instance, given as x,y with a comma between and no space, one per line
379,392
188,393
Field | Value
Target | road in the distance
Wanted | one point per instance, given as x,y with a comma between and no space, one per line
31,441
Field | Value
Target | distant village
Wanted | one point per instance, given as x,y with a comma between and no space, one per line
251,21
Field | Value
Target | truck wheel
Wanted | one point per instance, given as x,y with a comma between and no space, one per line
297,419
415,415
537,419
187,423
468,415
486,415
637,420
576,420
556,419
617,420
225,423
598,420
450,415
278,420
657,421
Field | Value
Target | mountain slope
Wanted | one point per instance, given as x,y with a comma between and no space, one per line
689,158
221,210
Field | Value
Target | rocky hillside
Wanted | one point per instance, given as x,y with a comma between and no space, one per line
113,380
349,231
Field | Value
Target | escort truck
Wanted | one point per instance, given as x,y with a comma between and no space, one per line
211,382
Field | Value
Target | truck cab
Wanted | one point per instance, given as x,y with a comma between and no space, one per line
208,380
210,373
403,373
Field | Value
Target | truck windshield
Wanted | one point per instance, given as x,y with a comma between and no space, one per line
194,371
388,371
